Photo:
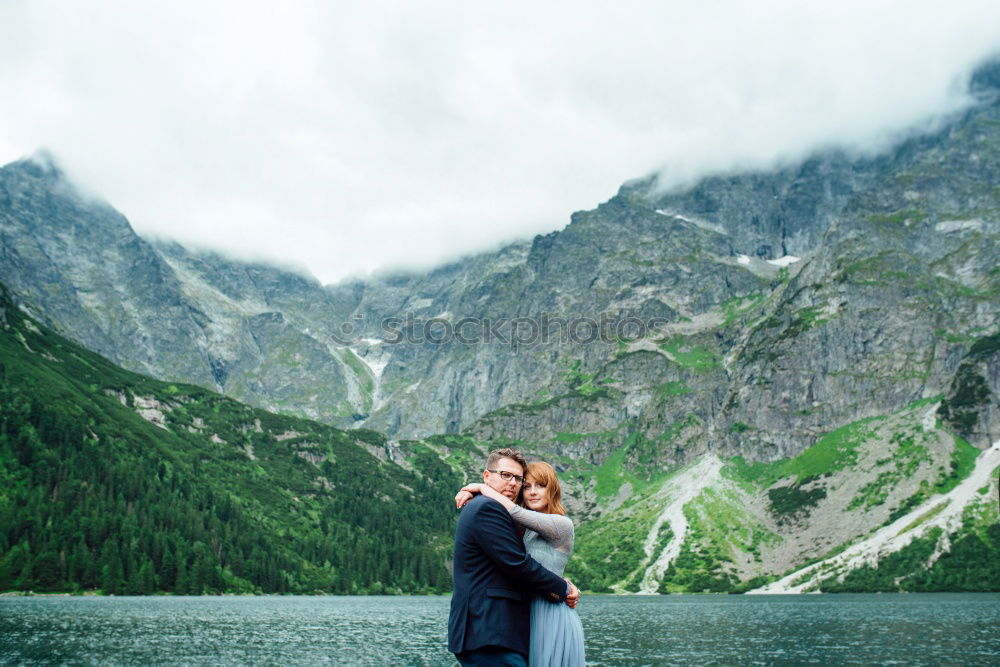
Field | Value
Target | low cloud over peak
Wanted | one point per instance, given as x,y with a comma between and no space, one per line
352,137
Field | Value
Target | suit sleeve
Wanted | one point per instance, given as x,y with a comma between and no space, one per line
495,533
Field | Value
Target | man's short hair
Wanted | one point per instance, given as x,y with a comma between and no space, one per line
505,453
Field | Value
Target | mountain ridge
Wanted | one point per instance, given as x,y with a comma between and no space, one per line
808,388
757,351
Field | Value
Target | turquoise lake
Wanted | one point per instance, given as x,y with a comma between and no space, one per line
915,629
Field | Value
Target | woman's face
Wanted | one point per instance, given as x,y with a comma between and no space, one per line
536,496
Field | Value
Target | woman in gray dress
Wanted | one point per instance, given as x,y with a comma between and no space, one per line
556,632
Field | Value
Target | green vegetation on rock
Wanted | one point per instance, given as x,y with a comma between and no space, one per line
898,217
672,388
969,391
792,503
905,454
608,550
834,451
702,566
971,564
737,306
690,355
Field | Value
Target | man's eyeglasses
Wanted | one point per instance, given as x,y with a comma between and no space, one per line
508,476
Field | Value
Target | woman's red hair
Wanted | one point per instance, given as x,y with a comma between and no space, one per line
544,474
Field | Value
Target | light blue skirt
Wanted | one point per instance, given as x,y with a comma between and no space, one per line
556,635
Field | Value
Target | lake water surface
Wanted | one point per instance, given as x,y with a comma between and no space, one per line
932,629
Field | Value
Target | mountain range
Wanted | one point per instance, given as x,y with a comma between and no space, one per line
738,380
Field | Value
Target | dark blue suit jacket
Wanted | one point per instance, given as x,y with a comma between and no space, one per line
494,581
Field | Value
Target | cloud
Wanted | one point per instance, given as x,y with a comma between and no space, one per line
355,136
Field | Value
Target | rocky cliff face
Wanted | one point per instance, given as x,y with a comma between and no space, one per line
971,407
87,273
786,302
161,310
896,280
748,314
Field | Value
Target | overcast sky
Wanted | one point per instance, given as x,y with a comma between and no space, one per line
352,136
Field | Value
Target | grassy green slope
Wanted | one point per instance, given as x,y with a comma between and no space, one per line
760,520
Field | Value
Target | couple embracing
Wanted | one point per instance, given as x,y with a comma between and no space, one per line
510,602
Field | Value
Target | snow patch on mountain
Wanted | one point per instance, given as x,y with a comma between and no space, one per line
374,358
948,226
697,222
784,261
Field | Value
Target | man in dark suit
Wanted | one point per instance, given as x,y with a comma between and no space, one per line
495,577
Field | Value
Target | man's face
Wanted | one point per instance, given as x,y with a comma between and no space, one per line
495,480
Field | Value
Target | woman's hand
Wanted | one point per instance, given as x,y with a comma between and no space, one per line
465,494
461,498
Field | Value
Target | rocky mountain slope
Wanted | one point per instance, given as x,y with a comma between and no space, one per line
158,309
867,277
893,502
